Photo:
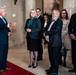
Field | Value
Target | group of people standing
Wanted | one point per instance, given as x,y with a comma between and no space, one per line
57,31
33,28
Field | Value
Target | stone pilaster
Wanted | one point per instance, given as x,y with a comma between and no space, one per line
29,4
70,6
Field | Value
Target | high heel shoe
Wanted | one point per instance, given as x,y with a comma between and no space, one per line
30,65
34,66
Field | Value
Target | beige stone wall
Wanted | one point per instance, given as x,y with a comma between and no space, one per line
29,4
18,35
39,4
22,9
70,6
17,32
48,6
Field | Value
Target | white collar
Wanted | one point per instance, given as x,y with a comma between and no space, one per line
0,16
55,19
38,16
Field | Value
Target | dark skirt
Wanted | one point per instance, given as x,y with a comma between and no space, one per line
32,44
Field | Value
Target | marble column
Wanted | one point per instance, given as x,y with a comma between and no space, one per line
18,30
29,4
0,3
15,13
70,6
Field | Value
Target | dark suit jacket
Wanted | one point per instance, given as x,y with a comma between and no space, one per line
42,21
72,25
42,25
55,33
35,28
4,32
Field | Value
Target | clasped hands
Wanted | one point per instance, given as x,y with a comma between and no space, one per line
12,24
45,35
72,37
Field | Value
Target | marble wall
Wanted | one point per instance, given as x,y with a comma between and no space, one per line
70,5
17,36
20,12
48,6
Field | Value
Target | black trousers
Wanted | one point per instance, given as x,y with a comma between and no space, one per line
3,55
54,57
40,51
73,53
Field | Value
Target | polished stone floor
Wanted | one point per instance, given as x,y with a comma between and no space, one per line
20,56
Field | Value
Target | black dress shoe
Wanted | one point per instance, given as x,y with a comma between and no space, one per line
30,65
7,68
73,70
39,59
52,74
64,64
48,70
1,72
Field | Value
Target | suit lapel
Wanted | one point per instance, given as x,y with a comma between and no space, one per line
34,20
3,21
55,23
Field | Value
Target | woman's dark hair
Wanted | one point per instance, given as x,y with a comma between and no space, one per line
46,14
65,13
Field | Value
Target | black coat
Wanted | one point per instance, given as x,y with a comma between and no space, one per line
72,25
55,33
3,32
42,25
35,28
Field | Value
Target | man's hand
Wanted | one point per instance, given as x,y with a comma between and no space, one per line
12,24
46,36
9,33
72,37
28,30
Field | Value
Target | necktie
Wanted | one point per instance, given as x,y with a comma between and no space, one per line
47,39
3,20
51,24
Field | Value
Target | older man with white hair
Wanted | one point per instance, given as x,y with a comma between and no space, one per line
4,33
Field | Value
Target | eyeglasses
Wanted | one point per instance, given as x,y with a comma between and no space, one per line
63,13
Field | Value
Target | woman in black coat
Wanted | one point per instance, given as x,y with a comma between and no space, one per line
32,27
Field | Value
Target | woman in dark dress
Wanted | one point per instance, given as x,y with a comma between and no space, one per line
46,19
32,27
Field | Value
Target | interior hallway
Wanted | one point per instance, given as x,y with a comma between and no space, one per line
20,56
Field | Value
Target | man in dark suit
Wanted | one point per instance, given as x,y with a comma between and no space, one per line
4,33
40,51
72,34
53,36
